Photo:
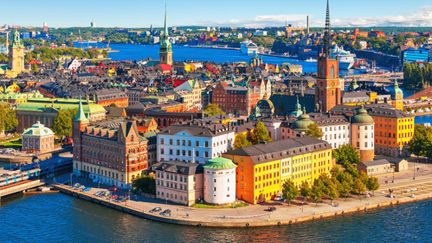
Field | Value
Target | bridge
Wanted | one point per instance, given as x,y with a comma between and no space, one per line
18,187
385,78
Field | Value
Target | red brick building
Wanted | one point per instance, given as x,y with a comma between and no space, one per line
235,99
110,152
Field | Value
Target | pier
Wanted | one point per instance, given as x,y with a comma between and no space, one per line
19,187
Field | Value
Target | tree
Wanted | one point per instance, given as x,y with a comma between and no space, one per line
305,190
260,134
359,187
316,192
372,184
241,141
145,184
346,154
289,191
62,125
213,110
8,121
314,131
421,144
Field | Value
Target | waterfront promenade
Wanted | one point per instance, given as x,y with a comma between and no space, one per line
405,190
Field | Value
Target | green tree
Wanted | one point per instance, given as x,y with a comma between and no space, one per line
421,143
289,190
346,154
316,192
372,184
241,141
213,110
62,125
359,187
305,190
260,134
144,184
314,131
8,121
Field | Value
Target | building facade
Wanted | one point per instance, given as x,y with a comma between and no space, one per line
194,142
108,97
38,139
262,169
235,99
17,55
219,181
108,152
393,131
179,182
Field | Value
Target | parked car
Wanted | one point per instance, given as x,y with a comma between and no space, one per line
166,213
155,210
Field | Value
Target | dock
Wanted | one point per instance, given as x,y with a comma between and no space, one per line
19,187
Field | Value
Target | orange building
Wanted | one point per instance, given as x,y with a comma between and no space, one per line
262,169
108,97
393,131
147,125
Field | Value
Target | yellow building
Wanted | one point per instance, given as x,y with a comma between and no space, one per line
393,131
262,169
16,64
189,93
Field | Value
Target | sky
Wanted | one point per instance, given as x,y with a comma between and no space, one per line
233,13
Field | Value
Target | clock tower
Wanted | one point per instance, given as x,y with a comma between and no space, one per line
328,85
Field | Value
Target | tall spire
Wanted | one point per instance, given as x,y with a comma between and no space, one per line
327,33
165,22
80,114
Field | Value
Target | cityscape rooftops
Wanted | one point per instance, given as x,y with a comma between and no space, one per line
262,153
178,167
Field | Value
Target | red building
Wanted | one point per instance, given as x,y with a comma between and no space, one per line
110,152
235,99
328,89
376,33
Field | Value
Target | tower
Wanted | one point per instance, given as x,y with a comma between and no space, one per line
17,54
165,52
362,135
328,90
307,25
80,123
397,97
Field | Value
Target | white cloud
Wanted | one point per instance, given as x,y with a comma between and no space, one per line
421,17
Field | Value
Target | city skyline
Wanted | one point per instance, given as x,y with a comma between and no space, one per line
253,13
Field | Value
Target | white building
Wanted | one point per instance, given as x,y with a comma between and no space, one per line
362,135
194,142
336,129
219,181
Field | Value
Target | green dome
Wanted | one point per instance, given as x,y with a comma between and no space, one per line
220,164
362,117
302,123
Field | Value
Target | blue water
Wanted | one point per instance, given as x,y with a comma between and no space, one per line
60,218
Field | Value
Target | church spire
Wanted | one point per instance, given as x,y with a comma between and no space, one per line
327,32
165,22
80,114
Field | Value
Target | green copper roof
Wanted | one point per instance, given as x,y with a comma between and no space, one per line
219,164
396,90
80,114
42,104
38,129
16,42
362,117
303,122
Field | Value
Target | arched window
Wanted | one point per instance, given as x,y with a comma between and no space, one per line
332,72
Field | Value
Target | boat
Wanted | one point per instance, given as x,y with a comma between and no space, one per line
310,59
248,47
346,58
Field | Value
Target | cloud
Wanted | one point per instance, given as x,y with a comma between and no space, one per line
421,17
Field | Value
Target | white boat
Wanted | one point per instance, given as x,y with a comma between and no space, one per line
310,59
346,58
248,47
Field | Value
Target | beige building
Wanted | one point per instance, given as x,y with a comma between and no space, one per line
38,139
16,57
376,167
179,182
189,93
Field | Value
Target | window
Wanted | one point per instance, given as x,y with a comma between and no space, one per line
214,189
197,143
162,151
162,141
